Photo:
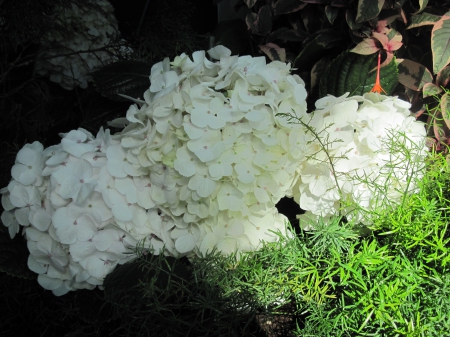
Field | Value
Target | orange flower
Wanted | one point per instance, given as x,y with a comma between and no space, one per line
377,87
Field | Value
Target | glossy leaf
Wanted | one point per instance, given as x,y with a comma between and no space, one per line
351,72
423,19
366,47
274,52
413,75
261,23
368,9
129,78
288,6
440,43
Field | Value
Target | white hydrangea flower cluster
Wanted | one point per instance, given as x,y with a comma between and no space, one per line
200,165
377,149
65,55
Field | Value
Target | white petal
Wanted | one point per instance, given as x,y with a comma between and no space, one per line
185,243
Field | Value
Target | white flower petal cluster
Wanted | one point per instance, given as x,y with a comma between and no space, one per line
376,148
65,55
200,165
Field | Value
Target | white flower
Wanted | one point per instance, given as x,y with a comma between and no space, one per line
24,197
122,163
10,221
46,250
79,182
29,164
71,227
75,144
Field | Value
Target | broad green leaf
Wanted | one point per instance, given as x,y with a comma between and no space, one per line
129,78
430,89
368,9
443,77
413,75
366,47
288,6
331,13
423,19
445,108
261,23
274,52
316,46
354,73
440,43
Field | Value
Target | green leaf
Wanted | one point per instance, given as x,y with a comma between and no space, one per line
423,20
366,47
445,108
331,13
129,78
368,9
443,77
284,34
430,89
274,52
250,3
422,4
288,6
261,23
440,43
354,73
350,18
413,75
318,70
316,45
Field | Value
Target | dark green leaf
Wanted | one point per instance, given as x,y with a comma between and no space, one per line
315,47
355,73
284,34
260,23
288,6
331,13
368,9
250,3
129,78
350,18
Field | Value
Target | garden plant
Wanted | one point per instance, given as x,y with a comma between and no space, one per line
159,211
